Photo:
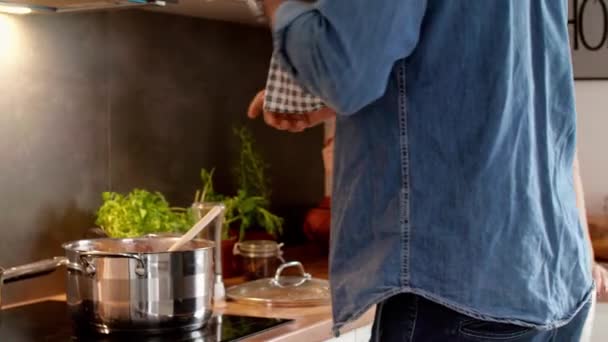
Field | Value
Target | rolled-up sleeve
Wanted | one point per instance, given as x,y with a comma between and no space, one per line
343,50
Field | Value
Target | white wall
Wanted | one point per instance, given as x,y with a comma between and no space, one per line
592,107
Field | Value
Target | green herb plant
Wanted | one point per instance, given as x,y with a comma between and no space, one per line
251,168
249,208
138,213
207,192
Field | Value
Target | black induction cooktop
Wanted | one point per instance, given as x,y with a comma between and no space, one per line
49,322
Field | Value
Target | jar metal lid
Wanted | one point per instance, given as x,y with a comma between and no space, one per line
258,248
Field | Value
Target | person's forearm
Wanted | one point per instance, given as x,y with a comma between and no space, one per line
343,51
580,202
270,8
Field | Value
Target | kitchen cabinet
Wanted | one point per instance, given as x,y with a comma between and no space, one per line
600,327
362,334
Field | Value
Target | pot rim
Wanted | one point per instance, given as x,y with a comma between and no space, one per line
75,244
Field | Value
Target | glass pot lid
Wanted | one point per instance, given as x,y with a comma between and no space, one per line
283,290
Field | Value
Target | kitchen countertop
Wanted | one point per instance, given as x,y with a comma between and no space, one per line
310,323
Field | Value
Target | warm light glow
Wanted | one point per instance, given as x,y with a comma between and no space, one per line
15,9
9,39
6,33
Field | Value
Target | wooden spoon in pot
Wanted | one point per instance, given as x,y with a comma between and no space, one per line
196,229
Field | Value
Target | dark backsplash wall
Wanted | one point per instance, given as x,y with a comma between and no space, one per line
118,100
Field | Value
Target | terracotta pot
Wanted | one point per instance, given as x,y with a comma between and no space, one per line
230,265
317,225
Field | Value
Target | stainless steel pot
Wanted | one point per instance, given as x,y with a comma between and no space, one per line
122,285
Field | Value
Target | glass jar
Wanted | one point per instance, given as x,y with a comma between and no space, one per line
259,258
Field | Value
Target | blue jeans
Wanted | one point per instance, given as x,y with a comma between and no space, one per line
411,318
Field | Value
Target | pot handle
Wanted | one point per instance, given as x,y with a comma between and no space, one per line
90,268
277,277
33,270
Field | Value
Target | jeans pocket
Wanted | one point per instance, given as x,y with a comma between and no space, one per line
477,330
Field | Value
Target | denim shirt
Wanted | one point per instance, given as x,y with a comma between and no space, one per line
454,147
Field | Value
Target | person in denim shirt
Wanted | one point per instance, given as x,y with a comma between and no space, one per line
454,206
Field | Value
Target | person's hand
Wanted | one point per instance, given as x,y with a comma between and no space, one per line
270,7
288,122
600,275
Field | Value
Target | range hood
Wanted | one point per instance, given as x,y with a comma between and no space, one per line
243,11
240,11
60,6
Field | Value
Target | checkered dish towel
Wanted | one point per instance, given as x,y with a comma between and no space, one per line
285,95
